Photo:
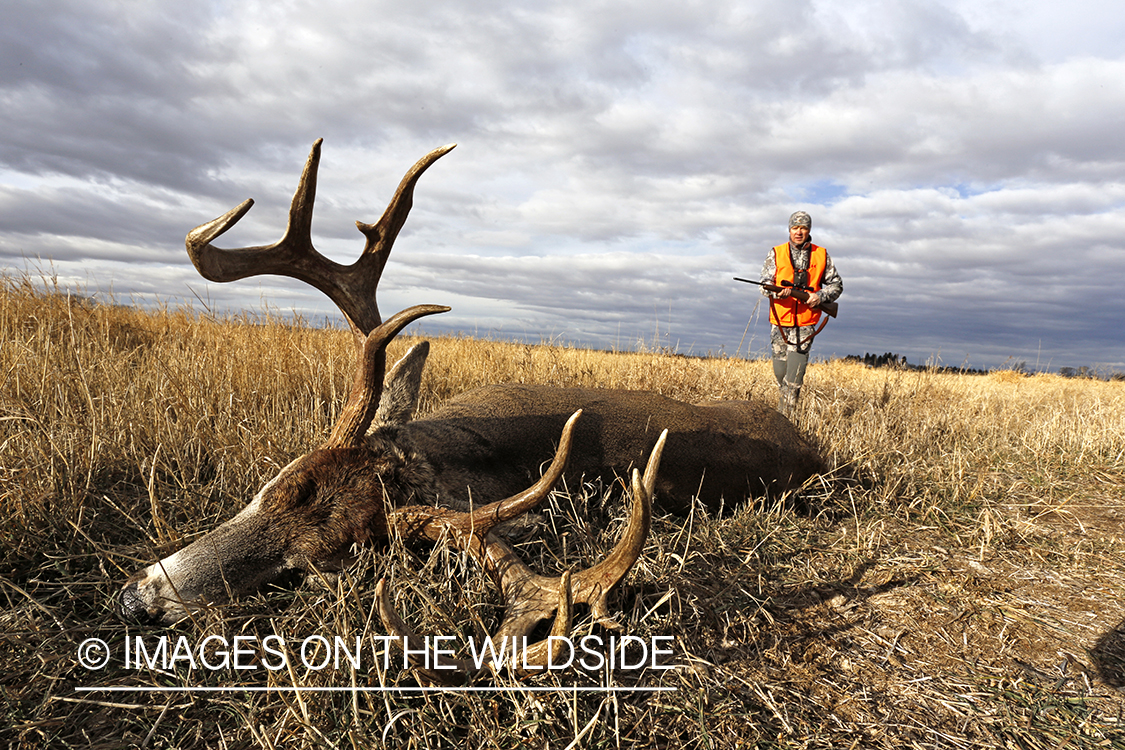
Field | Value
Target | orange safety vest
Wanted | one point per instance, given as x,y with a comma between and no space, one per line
790,312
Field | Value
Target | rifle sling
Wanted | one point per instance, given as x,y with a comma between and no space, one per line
823,322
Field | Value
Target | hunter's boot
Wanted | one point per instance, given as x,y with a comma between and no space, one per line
787,402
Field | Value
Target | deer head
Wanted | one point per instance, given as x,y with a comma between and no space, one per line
349,490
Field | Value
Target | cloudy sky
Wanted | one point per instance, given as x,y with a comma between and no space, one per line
617,162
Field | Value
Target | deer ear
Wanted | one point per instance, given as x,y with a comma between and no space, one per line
401,389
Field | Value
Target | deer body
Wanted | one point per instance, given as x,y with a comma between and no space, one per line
492,441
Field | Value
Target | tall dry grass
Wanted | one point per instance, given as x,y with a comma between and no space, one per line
123,433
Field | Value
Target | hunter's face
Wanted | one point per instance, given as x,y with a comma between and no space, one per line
798,235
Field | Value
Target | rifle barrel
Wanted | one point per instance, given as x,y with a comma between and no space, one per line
830,308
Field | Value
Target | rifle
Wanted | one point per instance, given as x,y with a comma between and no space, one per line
799,292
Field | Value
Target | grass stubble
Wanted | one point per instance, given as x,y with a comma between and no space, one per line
955,581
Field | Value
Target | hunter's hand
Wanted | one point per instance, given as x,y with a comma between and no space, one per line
785,292
813,300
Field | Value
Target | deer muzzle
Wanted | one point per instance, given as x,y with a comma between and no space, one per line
237,558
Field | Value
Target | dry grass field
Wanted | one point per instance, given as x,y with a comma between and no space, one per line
956,581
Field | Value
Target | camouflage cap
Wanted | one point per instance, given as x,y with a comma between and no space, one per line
800,219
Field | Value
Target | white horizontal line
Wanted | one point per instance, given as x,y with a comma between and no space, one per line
291,689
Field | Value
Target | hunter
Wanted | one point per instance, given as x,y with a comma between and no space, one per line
797,264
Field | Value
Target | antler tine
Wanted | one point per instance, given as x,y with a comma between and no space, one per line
367,388
484,519
429,522
394,624
382,234
594,584
352,287
530,597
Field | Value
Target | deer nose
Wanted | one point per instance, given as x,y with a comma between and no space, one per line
132,607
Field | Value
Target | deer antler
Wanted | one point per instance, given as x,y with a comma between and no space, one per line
529,597
371,367
352,287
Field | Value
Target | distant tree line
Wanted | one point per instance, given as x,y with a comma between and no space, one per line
1090,372
898,362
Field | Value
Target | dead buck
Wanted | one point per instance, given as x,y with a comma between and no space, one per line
356,488
381,472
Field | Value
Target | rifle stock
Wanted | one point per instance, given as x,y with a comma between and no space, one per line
829,308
